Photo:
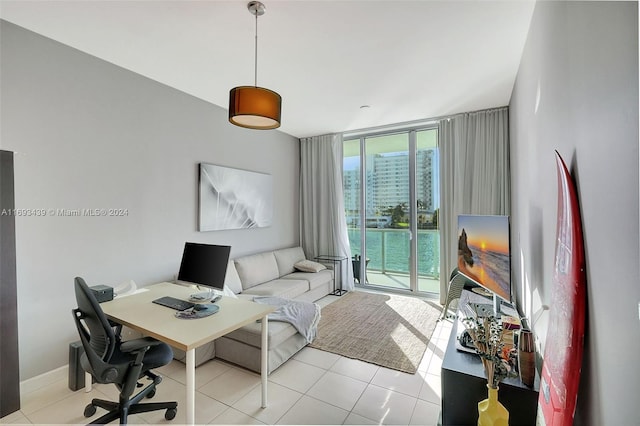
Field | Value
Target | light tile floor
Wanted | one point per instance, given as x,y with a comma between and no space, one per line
314,387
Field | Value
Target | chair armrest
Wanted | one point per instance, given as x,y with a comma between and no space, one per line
117,327
137,344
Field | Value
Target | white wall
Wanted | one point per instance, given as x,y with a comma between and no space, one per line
577,92
88,134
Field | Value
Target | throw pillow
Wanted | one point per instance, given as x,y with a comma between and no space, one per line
309,266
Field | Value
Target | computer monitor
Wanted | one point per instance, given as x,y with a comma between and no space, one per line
204,265
484,253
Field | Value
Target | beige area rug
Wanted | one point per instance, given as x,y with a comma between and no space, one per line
387,330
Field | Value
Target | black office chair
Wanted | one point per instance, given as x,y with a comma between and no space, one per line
109,360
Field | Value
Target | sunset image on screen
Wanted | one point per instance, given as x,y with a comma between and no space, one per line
483,252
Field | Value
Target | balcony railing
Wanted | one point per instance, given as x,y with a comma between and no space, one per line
388,250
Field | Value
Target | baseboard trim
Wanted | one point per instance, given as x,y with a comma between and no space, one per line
35,383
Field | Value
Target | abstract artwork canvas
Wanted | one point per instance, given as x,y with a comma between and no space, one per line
234,199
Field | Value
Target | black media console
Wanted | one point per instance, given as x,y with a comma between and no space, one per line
464,385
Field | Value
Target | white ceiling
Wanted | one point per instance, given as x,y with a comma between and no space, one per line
407,60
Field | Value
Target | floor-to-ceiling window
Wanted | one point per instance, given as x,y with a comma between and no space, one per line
391,193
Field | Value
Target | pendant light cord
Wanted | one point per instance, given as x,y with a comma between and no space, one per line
255,59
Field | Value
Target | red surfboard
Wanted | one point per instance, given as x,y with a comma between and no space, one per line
565,337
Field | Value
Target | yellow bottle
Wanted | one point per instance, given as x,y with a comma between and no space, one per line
491,412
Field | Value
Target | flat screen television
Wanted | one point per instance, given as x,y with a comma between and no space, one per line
484,254
204,265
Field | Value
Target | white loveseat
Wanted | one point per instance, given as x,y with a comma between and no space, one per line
272,273
275,273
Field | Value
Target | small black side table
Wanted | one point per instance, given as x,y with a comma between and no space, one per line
464,385
336,261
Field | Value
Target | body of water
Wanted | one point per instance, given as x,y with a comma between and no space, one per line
388,250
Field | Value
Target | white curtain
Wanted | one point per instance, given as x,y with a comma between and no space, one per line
323,226
474,161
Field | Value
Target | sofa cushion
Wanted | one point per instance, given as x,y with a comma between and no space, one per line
257,269
286,258
309,266
285,288
232,280
315,279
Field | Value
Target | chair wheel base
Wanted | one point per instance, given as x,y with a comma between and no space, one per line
89,410
170,414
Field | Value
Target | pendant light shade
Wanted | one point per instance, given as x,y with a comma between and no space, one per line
255,107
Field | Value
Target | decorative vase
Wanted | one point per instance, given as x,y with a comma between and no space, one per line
526,357
491,412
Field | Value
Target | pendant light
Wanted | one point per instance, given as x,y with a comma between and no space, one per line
255,107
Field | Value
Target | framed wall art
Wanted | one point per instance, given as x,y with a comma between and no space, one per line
234,199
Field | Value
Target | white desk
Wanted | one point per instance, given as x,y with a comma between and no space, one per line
139,313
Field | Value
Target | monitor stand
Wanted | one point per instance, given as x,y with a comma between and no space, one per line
496,305
482,310
496,300
205,296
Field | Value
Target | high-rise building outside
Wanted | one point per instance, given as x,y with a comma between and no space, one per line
387,179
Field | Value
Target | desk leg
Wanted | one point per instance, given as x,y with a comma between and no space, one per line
264,360
191,386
